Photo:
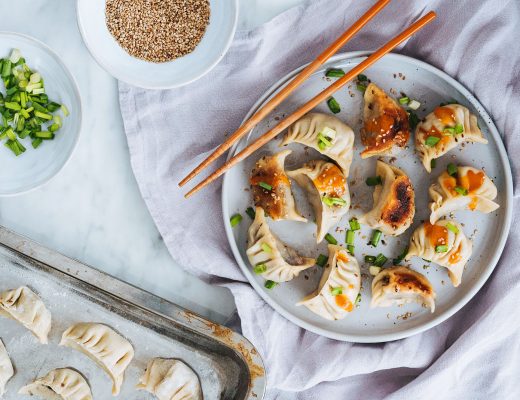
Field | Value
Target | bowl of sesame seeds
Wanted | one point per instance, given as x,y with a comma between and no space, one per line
157,44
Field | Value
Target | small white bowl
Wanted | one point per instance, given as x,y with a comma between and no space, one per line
36,167
117,62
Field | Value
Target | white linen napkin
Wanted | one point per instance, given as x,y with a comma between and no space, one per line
473,355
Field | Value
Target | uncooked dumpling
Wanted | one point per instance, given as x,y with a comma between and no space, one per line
327,191
106,347
394,201
401,285
326,134
385,123
170,379
271,188
443,243
444,129
59,384
24,306
269,256
467,188
6,368
339,286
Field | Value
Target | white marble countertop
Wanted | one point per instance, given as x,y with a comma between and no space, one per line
93,210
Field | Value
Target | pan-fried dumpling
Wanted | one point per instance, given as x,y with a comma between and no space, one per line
61,383
444,129
394,201
327,191
385,123
467,189
106,347
443,243
339,286
269,256
24,306
326,134
6,368
401,285
271,188
170,379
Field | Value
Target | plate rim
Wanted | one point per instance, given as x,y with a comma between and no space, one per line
144,85
473,290
76,93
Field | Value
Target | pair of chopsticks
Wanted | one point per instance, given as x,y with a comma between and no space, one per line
297,81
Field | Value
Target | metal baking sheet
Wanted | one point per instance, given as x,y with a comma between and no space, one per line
227,364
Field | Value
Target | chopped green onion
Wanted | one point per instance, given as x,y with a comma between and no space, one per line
448,131
361,87
331,239
39,91
414,105
452,169
333,201
350,249
350,236
325,140
376,236
36,143
354,224
404,100
370,259
358,299
401,256
260,268
334,73
335,291
265,247
459,128
380,260
10,134
333,105
433,163
235,220
432,141
15,56
270,284
251,212
6,68
374,181
44,135
39,114
374,270
65,110
441,248
452,228
460,190
54,127
362,78
12,106
35,78
266,186
321,260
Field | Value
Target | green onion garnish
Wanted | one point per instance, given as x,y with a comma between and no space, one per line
266,186
374,181
323,141
433,163
432,141
350,249
401,256
358,299
265,247
350,236
460,190
331,239
459,128
270,284
334,73
413,119
321,260
452,228
362,78
361,87
449,131
251,212
404,100
452,169
333,105
354,224
333,201
370,259
376,236
380,260
335,291
235,220
441,248
260,268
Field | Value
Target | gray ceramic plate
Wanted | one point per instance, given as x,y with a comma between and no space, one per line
395,74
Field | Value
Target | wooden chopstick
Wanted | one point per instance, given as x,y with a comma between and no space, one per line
287,90
325,94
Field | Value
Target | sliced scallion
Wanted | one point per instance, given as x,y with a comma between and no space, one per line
401,256
404,100
361,88
354,224
374,270
459,128
251,212
433,163
333,201
374,181
362,78
331,239
265,185
376,237
336,291
414,105
441,248
413,119
350,249
235,220
260,268
321,260
350,236
266,248
380,260
333,105
452,228
370,259
334,73
431,141
460,190
270,284
452,169
358,299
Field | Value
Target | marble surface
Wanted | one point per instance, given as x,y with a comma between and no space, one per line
93,210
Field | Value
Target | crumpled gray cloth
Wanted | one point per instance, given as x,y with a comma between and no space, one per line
473,355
